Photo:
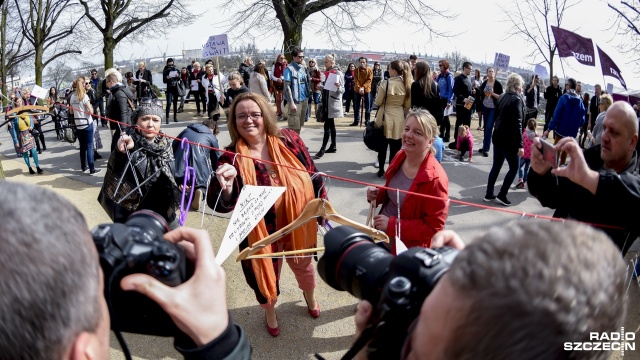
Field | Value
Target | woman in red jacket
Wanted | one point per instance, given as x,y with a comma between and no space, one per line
414,169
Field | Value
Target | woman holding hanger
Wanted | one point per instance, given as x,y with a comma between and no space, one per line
415,169
258,144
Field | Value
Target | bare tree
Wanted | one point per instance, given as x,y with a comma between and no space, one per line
60,74
13,51
531,20
456,59
47,26
117,20
627,24
338,20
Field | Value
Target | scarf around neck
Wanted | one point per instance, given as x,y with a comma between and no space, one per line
299,191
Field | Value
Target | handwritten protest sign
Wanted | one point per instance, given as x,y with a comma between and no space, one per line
253,204
216,45
501,61
39,92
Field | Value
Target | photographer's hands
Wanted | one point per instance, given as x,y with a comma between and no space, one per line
199,306
363,313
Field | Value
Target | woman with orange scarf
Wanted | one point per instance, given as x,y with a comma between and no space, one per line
254,137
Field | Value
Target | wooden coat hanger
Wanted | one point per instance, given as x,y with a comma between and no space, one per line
27,108
315,209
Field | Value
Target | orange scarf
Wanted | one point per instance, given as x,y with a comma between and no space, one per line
299,191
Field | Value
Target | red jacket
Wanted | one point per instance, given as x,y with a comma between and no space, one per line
420,217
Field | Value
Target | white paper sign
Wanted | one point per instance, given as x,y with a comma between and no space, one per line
501,61
330,84
253,204
609,88
39,92
194,84
173,74
216,45
448,110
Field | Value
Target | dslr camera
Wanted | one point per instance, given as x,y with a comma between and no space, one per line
396,286
137,246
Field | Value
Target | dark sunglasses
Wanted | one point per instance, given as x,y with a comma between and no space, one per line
147,101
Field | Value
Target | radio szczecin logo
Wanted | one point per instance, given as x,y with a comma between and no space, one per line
605,342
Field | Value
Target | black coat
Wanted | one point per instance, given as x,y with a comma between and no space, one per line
531,96
614,203
462,88
198,76
507,129
552,94
172,83
141,87
204,160
497,89
245,70
432,104
119,106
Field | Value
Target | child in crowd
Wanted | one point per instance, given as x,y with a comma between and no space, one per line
525,161
464,143
438,144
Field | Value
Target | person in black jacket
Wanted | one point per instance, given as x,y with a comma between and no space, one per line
245,69
143,80
202,158
119,105
552,95
532,94
424,91
462,89
198,91
598,185
57,283
507,139
594,107
171,76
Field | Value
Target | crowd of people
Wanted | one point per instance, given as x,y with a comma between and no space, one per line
595,140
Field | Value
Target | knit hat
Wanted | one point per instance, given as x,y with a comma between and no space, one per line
152,108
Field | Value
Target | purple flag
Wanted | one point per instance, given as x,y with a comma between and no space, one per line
572,44
609,68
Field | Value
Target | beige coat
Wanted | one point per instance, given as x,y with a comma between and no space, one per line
394,107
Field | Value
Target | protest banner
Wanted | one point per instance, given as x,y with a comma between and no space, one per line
253,204
216,45
501,61
573,45
609,68
39,92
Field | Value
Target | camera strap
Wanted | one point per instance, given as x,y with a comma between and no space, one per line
114,324
361,342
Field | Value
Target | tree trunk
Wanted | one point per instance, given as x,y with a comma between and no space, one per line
39,51
107,51
3,51
292,39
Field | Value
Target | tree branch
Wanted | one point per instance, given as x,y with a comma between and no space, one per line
63,53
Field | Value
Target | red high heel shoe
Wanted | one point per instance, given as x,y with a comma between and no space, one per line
315,313
272,331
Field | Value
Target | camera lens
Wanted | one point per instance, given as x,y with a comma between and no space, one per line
147,225
352,262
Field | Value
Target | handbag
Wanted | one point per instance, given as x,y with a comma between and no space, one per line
372,136
182,90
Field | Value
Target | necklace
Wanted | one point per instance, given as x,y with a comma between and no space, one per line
274,177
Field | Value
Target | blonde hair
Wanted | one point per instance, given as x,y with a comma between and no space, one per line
427,123
463,129
532,124
112,74
514,81
80,91
141,63
236,76
196,64
606,100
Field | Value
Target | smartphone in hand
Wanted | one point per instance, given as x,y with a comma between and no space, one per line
549,154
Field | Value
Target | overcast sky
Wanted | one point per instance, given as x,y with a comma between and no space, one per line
482,35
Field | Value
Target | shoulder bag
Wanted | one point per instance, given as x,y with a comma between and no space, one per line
373,137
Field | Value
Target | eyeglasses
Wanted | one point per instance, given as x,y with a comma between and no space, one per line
147,101
253,116
300,56
87,83
94,73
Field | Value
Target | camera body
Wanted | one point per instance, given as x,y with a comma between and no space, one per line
396,286
137,246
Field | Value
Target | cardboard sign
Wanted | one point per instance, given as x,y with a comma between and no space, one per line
501,61
253,204
39,92
216,45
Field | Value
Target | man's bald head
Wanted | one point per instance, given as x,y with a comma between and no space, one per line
622,111
619,136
